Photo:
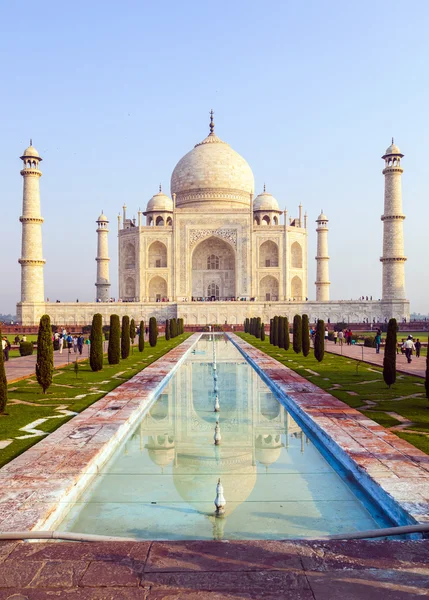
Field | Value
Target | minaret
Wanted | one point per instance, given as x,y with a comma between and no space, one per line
322,258
393,258
103,283
31,261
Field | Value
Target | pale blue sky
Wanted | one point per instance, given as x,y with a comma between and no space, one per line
115,93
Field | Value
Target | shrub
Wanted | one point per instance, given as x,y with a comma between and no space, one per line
114,349
3,381
389,362
369,341
297,334
167,329
141,336
125,337
275,331
153,331
26,348
96,343
45,354
132,331
262,332
56,345
281,333
305,335
286,338
331,336
319,341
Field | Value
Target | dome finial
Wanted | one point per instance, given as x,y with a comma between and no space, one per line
265,189
160,187
211,122
393,141
31,141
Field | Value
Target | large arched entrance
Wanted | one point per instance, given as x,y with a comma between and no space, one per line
213,270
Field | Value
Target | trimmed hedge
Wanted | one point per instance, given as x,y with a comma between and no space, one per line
26,348
45,354
96,343
167,329
114,349
132,331
305,335
275,331
319,341
262,332
3,381
125,337
141,336
297,334
153,331
281,333
286,338
389,362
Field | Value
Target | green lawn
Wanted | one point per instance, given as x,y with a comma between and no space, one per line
361,386
64,391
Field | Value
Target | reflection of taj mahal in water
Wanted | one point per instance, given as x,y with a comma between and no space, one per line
213,252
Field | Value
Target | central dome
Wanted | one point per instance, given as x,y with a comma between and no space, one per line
212,174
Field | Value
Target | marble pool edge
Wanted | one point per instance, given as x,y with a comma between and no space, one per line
393,473
39,487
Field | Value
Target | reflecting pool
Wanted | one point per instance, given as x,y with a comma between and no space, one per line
161,484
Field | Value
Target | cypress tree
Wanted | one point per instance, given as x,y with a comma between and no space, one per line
167,329
153,332
125,337
114,349
262,332
427,372
141,336
319,341
271,330
281,332
297,334
389,362
3,381
286,340
246,325
305,336
45,354
96,346
251,326
276,331
258,327
172,328
132,331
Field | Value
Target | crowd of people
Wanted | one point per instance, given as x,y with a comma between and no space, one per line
76,342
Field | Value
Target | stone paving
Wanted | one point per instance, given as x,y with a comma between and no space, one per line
392,470
34,485
417,366
268,570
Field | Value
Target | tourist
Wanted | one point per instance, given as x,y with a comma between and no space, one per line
409,347
69,342
335,336
75,344
418,346
16,339
24,338
378,341
326,334
60,343
5,348
80,342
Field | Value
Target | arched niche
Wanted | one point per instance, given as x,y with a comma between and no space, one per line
269,288
296,288
296,256
130,256
159,221
157,289
268,254
157,255
130,288
213,264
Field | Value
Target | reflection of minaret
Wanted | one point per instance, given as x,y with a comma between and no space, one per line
31,261
322,258
393,258
103,283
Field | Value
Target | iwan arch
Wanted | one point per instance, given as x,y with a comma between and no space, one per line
212,252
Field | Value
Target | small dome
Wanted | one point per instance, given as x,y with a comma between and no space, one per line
392,149
322,217
31,152
160,202
265,201
102,218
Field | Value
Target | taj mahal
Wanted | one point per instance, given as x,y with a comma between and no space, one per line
213,251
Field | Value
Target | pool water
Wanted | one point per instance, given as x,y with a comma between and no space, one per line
161,483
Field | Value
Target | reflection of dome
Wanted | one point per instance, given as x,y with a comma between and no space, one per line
161,456
195,478
265,201
212,172
268,456
160,202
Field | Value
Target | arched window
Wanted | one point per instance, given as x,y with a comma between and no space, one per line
213,262
157,255
296,288
268,254
265,220
159,221
296,256
213,290
169,221
275,221
256,221
130,257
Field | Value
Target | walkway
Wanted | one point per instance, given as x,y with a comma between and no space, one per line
417,367
210,570
25,366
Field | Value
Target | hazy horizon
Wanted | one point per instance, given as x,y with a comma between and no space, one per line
310,95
